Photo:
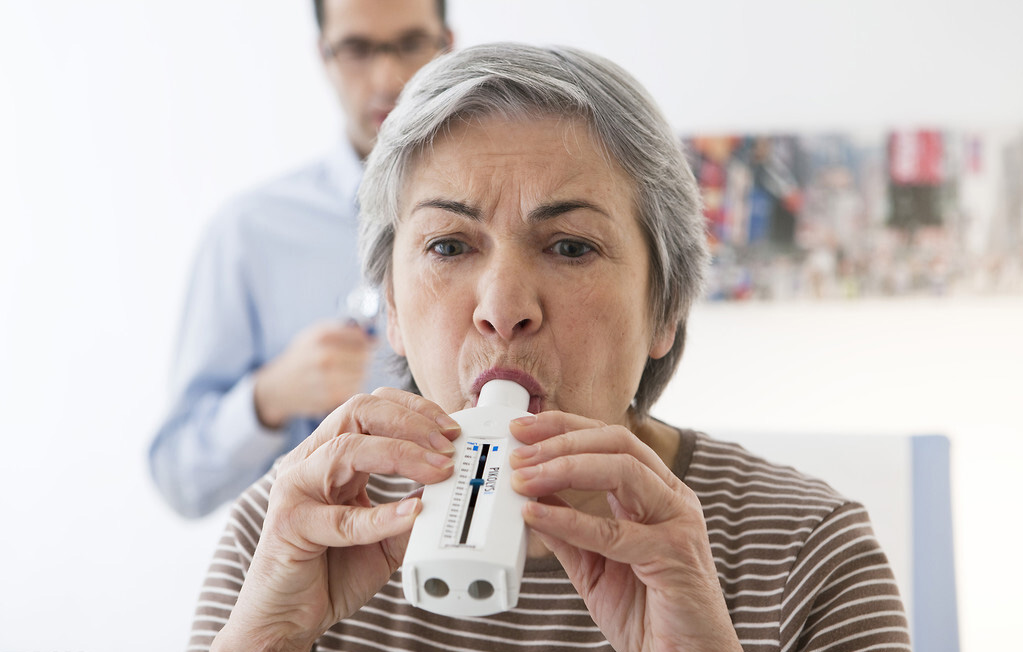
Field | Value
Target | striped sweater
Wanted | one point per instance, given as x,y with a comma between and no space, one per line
799,567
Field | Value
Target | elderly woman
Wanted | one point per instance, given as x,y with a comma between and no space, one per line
530,217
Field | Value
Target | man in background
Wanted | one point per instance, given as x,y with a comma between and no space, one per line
264,350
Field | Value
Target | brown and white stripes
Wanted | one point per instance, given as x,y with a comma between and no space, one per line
799,566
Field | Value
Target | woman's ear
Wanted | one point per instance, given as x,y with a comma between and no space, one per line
663,341
393,327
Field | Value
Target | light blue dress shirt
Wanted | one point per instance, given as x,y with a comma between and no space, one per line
273,262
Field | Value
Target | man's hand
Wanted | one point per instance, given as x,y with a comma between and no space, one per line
324,366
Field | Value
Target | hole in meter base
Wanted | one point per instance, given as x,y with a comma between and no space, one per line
481,589
435,587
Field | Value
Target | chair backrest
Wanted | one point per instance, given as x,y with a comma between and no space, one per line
904,482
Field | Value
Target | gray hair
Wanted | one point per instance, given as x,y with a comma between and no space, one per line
519,81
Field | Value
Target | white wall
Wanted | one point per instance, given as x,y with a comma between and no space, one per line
124,124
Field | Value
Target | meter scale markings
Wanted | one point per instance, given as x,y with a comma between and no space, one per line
477,468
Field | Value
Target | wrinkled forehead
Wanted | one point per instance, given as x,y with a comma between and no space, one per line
573,133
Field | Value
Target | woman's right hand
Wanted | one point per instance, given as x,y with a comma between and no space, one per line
324,550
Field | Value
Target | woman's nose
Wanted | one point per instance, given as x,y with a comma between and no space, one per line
508,299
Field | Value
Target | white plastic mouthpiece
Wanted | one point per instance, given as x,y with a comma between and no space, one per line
504,392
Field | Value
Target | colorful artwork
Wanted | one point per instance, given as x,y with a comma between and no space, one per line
840,215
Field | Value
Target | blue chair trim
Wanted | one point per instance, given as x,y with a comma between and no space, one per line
935,611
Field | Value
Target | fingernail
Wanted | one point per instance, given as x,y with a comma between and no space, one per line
528,472
406,507
441,444
447,424
527,420
438,460
538,509
525,452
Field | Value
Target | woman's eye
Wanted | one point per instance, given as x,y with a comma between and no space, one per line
448,248
571,248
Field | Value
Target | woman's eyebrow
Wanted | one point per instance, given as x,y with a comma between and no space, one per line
451,206
554,209
539,214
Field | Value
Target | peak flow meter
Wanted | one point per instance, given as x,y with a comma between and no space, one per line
468,545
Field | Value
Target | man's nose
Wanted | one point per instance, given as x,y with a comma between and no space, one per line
387,73
508,298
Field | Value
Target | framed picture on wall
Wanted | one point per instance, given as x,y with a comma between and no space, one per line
897,213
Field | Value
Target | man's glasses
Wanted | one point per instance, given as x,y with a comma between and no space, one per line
412,49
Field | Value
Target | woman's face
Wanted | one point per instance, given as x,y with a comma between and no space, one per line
518,255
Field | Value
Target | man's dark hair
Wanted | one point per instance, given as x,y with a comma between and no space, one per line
442,11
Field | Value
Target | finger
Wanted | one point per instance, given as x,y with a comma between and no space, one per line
332,472
426,407
538,427
419,420
603,439
344,356
340,349
570,533
570,556
344,332
311,526
638,488
440,429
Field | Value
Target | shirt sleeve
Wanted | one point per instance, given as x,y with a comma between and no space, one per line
841,593
212,446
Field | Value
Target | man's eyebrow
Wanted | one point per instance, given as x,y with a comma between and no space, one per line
554,209
451,206
413,32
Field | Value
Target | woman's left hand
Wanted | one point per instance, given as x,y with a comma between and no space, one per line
644,567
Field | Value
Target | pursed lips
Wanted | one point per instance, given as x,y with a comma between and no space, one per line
530,384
